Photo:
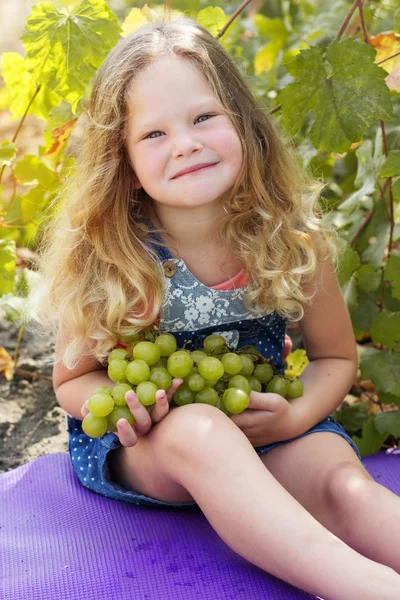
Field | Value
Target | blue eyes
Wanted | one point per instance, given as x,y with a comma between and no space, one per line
149,136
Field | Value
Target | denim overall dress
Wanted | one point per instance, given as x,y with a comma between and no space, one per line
191,311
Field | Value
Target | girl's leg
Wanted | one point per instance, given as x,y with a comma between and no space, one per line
205,453
323,473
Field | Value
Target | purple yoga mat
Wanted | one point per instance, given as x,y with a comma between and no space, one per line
59,541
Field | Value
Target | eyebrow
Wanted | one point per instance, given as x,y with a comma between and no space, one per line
198,106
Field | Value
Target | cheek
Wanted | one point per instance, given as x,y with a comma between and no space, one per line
229,147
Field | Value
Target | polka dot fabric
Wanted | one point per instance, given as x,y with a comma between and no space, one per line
191,311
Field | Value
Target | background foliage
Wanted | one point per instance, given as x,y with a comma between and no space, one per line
329,72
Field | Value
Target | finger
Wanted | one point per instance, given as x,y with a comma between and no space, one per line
264,400
140,414
161,407
84,410
288,347
174,386
126,433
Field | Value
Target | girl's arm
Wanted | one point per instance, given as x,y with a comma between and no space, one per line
74,386
331,349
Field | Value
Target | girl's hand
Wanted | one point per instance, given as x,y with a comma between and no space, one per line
268,419
144,419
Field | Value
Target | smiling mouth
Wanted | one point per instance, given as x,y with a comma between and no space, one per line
196,171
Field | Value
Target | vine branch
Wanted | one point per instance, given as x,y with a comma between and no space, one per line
232,18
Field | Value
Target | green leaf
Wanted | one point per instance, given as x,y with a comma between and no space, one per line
371,441
388,422
65,48
386,330
364,314
13,306
212,18
389,399
350,293
368,278
352,417
377,236
22,87
368,169
274,29
8,152
391,167
392,273
383,368
8,259
349,261
396,190
31,170
347,92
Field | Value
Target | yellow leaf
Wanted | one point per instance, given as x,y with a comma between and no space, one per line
6,364
296,363
135,19
386,44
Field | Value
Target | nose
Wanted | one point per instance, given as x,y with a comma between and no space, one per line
185,143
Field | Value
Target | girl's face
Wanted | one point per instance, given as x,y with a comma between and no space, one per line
175,123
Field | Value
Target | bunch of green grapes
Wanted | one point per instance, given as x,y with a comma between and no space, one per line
212,375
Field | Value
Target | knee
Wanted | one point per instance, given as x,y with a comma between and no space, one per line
191,428
348,488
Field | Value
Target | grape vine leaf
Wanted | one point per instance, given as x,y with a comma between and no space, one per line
349,261
212,18
392,273
368,278
133,20
383,368
388,422
368,172
8,152
371,440
391,166
386,330
8,259
296,363
274,29
64,48
352,417
344,88
21,86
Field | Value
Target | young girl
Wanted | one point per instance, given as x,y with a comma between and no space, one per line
188,211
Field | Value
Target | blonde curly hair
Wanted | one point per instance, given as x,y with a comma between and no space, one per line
98,280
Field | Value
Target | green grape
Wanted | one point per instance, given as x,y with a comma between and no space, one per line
197,356
147,351
248,365
166,343
222,406
255,383
210,382
211,368
232,362
137,371
208,395
264,372
235,400
195,382
117,353
277,385
118,393
221,386
93,426
120,412
214,342
146,393
161,363
184,395
128,338
101,404
161,377
239,381
180,363
295,389
103,388
117,369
